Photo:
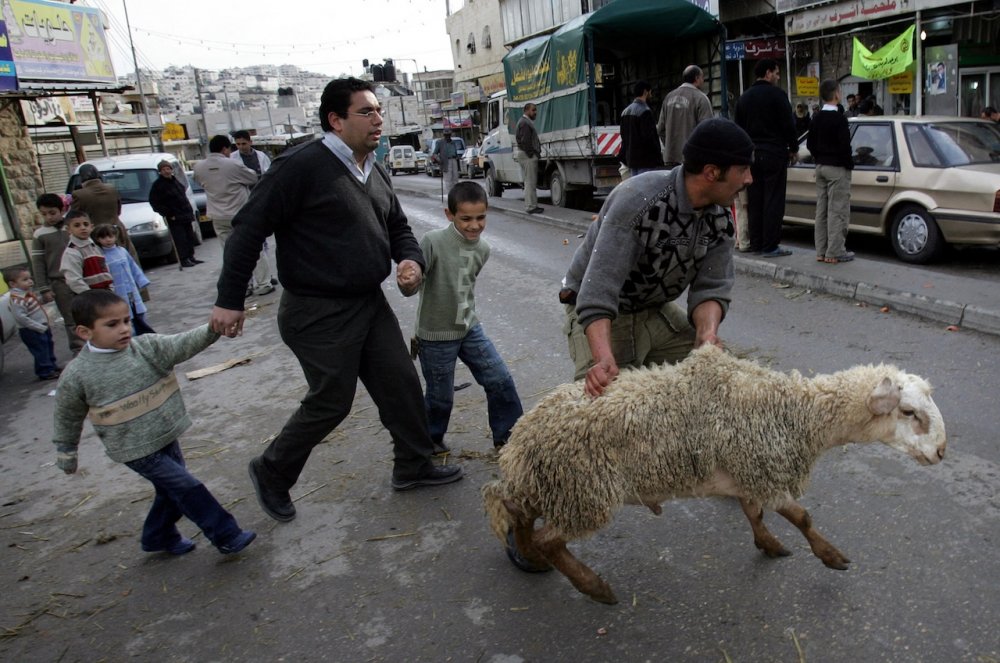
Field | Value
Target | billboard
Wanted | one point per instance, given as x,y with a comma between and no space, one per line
56,41
8,80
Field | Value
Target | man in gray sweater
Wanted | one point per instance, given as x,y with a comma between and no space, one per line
338,226
657,235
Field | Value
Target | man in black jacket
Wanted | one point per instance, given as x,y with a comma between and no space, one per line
168,198
829,142
640,150
338,226
764,112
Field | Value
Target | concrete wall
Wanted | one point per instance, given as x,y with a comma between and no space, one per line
23,179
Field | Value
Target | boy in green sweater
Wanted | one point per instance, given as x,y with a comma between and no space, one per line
128,389
447,326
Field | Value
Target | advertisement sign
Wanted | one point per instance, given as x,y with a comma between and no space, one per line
806,86
174,131
48,110
901,83
891,59
760,49
855,11
735,50
8,80
57,41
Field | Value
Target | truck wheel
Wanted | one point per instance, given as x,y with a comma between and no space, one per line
915,235
557,189
493,187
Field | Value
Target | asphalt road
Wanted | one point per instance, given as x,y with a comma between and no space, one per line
365,574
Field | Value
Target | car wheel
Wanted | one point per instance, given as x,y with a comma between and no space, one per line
493,187
915,235
557,189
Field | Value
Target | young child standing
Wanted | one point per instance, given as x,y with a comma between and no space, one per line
128,389
127,275
47,246
447,326
83,264
32,322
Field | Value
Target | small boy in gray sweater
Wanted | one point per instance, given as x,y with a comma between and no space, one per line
128,389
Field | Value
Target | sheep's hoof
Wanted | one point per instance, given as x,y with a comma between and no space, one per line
603,594
837,562
519,560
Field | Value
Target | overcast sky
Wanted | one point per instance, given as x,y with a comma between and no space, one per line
329,37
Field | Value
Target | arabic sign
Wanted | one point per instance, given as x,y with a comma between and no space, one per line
8,79
735,50
901,83
806,86
784,6
756,49
891,59
57,41
48,110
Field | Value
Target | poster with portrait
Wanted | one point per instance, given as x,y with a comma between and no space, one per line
941,80
937,78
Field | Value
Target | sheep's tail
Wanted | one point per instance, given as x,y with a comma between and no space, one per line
501,520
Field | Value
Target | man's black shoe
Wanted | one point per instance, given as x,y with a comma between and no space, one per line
437,475
188,263
196,261
536,210
275,503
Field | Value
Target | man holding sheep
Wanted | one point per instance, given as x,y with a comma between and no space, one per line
657,235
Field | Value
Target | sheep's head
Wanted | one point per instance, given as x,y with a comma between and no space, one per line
912,422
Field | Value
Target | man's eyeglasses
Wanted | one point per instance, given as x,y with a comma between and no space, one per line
368,115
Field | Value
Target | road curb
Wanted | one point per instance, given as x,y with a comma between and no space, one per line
962,314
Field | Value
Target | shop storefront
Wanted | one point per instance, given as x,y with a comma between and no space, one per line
956,58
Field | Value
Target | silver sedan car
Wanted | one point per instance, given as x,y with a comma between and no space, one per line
923,182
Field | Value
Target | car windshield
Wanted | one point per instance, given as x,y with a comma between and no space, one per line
953,143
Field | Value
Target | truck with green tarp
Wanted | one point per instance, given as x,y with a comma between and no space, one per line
580,78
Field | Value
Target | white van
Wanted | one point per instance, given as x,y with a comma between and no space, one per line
402,158
133,175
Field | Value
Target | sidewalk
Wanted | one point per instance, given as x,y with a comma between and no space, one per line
948,299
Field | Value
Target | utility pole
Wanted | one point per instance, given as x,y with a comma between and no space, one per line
201,106
270,122
138,79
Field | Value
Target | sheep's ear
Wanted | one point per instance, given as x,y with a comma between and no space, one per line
884,398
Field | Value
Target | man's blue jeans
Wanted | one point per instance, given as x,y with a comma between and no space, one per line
437,362
179,494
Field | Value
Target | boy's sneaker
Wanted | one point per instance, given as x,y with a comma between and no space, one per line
181,547
238,542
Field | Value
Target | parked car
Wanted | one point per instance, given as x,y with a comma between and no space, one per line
7,326
421,158
469,165
201,205
433,168
923,182
402,158
133,175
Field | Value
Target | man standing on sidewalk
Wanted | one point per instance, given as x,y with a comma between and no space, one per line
657,235
765,113
446,154
339,226
829,142
168,198
227,187
640,150
680,113
529,148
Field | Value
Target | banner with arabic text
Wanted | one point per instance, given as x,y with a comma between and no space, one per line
891,59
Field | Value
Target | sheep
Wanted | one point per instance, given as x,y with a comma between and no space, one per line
712,425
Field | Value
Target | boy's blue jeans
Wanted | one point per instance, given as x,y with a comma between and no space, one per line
41,348
437,362
179,494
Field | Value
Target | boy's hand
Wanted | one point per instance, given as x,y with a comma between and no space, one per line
47,296
408,277
66,461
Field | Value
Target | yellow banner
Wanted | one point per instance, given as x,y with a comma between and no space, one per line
806,86
901,83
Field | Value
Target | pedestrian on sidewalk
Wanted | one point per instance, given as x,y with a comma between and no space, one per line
33,324
168,198
829,142
101,202
128,277
529,149
339,225
448,328
657,235
446,155
258,162
227,185
763,111
47,247
128,389
640,149
680,113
